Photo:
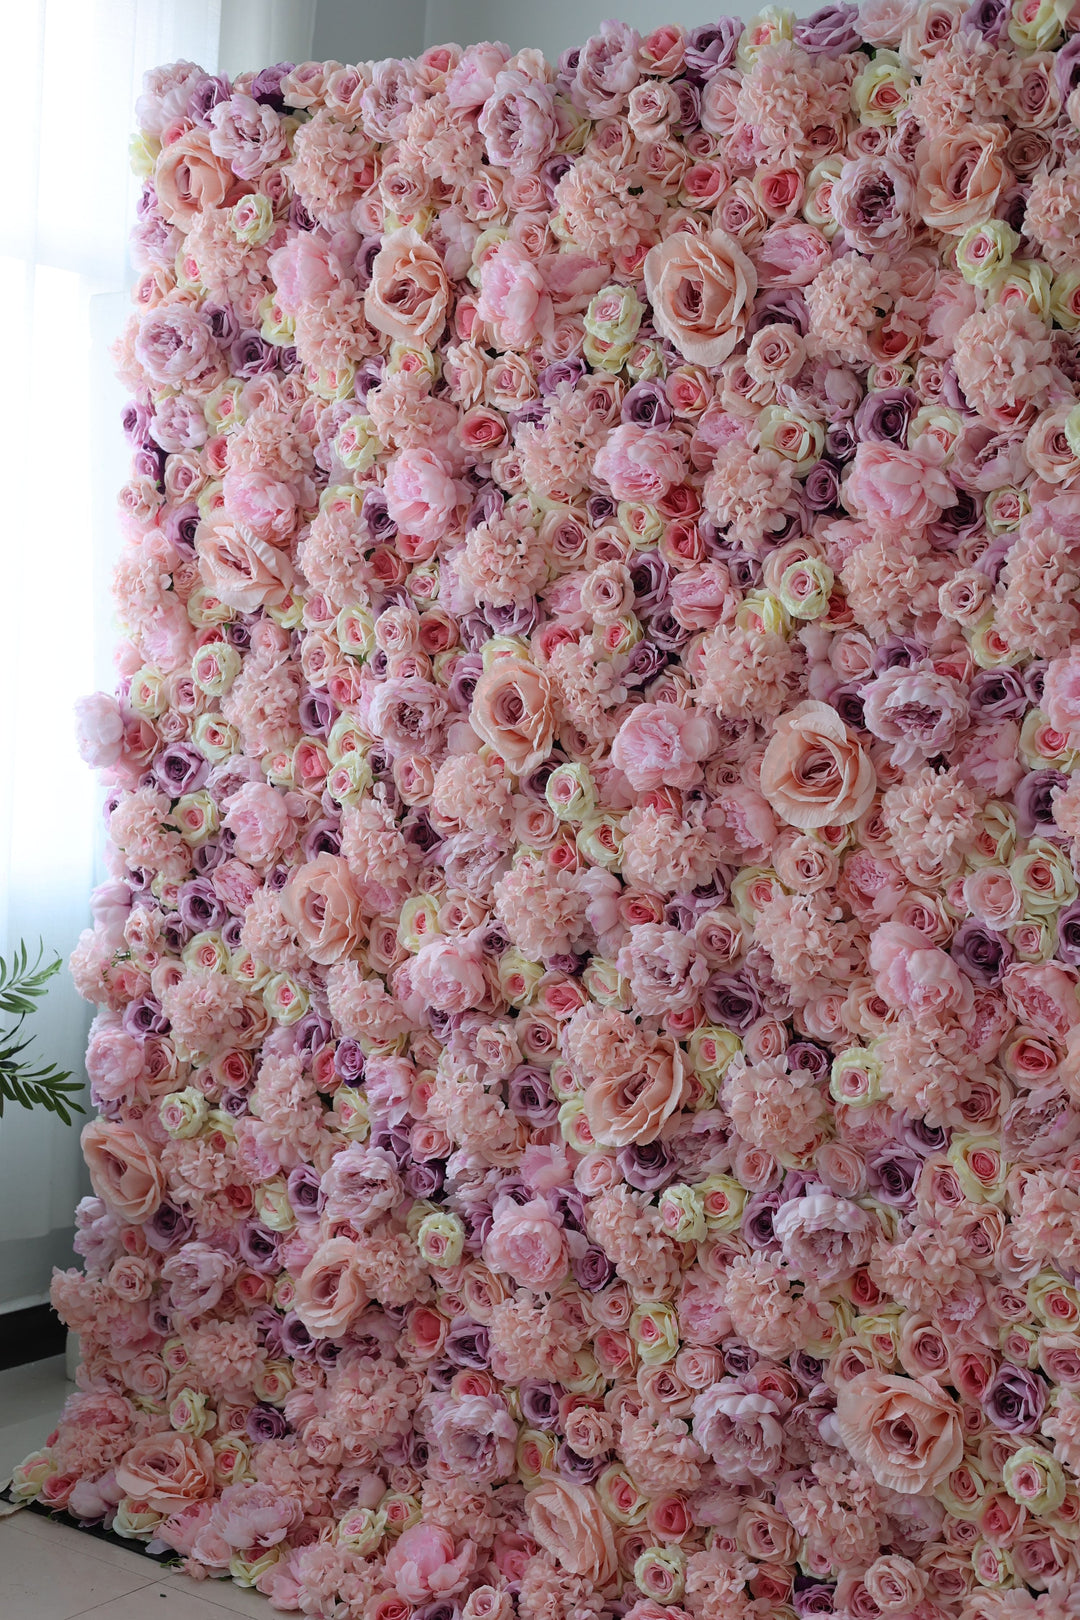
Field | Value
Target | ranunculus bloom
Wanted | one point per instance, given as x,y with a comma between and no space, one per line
660,744
640,463
527,1242
329,1290
906,1431
813,773
514,299
569,1524
167,1471
512,711
409,292
323,907
701,289
124,1170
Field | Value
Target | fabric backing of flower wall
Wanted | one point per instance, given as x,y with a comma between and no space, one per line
588,1059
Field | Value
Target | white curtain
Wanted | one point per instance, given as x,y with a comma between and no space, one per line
69,195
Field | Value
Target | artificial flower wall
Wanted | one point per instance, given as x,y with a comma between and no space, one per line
587,1064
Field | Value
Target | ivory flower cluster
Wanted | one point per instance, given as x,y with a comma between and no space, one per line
588,1050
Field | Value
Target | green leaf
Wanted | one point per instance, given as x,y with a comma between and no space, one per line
22,986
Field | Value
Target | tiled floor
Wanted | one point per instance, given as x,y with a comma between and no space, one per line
49,1571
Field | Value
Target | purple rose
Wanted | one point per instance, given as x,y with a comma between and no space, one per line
265,1423
711,46
732,1001
832,31
983,954
349,1061
168,1228
821,490
592,1269
259,1247
884,416
468,1344
892,1172
646,405
180,769
200,906
305,1192
1034,801
647,1167
539,1402
530,1097
997,694
578,1470
989,18
1015,1399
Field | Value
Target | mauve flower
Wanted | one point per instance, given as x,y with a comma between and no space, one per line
997,694
1015,1399
983,954
265,1423
832,31
539,1403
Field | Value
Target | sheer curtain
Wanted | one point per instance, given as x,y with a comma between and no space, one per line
68,202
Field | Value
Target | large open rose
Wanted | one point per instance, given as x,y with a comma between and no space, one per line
409,292
568,1523
324,909
701,289
167,1471
961,176
907,1433
189,178
512,711
624,1108
124,1171
329,1290
813,773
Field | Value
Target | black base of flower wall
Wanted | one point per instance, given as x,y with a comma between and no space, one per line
30,1335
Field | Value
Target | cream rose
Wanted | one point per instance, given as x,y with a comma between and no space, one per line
905,1431
813,773
701,289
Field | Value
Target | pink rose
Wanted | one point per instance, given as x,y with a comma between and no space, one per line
330,1291
632,1105
813,773
662,744
570,1525
641,463
514,300
527,1242
124,1170
512,711
906,1431
409,292
322,906
167,1471
702,290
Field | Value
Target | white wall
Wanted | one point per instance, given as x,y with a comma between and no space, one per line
366,30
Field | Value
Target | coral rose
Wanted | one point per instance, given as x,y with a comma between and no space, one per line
409,292
568,1523
167,1471
329,1290
702,290
323,908
630,1108
905,1431
813,774
124,1171
512,711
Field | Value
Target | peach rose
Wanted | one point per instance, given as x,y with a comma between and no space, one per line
329,1290
907,1432
246,573
625,1108
167,1471
813,774
322,906
512,712
701,289
409,292
568,1523
189,178
961,176
124,1171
